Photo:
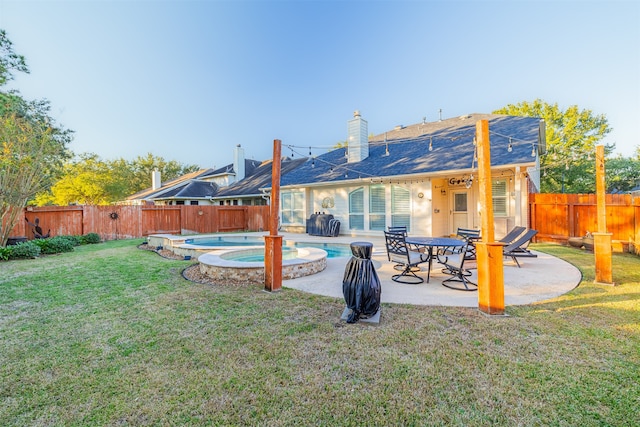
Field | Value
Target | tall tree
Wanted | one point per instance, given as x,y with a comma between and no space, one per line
9,60
142,168
89,180
32,146
85,180
572,135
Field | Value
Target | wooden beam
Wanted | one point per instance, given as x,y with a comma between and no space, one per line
273,242
489,253
602,240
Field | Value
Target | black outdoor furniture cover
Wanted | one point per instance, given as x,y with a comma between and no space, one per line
361,285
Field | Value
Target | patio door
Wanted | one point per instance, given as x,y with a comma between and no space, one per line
460,209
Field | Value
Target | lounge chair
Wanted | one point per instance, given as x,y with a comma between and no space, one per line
399,252
512,235
518,248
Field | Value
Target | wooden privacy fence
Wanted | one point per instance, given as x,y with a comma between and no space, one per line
560,216
124,222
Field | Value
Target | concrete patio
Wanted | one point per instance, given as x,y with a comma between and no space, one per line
539,278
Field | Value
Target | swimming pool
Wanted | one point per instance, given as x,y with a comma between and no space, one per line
334,250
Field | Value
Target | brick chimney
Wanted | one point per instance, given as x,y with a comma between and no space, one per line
357,139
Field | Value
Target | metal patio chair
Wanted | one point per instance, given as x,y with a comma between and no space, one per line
399,252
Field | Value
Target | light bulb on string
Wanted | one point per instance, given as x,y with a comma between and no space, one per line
510,146
430,143
533,150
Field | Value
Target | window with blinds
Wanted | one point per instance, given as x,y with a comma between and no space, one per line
356,209
499,189
377,208
292,207
400,207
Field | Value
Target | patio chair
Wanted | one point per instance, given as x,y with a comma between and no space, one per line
469,235
511,236
399,252
454,266
401,229
398,229
518,248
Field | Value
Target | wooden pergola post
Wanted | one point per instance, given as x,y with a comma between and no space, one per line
273,242
602,239
488,252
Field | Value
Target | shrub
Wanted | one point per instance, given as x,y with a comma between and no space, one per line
56,245
24,250
5,253
91,238
75,240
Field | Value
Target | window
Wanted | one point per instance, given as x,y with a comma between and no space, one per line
292,203
400,207
377,208
356,209
193,202
499,189
179,202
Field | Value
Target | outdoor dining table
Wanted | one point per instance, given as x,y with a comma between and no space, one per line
434,242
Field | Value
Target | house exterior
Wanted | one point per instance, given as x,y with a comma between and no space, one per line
422,176
238,183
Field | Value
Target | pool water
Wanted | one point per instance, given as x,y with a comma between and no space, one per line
334,250
258,255
227,241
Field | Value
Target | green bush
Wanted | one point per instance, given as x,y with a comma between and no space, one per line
56,245
75,240
24,250
5,253
91,238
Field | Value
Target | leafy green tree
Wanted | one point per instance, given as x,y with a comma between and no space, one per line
572,135
32,152
622,174
84,181
32,146
142,168
9,60
92,181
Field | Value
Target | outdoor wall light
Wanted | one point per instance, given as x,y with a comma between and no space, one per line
443,192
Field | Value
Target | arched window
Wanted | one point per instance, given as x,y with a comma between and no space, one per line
356,209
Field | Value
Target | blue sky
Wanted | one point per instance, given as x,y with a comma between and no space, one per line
189,80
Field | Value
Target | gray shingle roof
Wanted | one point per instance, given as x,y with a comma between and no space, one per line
260,178
408,150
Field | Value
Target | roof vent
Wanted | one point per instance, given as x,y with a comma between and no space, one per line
465,117
398,127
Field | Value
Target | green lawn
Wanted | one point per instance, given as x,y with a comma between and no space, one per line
113,335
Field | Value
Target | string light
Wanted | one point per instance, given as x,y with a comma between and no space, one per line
510,146
430,143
